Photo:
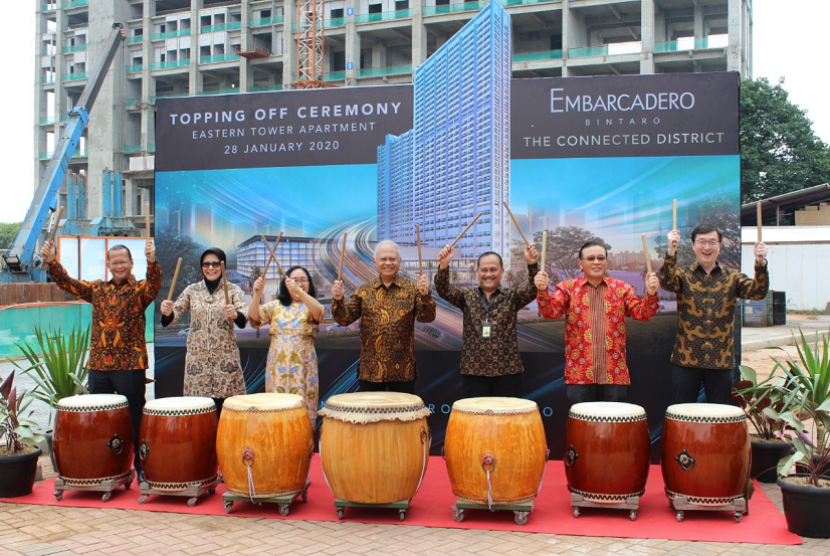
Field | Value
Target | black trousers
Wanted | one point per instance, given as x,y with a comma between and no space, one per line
507,386
129,384
406,387
686,382
578,393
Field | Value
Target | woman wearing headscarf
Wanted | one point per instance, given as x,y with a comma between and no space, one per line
294,316
212,366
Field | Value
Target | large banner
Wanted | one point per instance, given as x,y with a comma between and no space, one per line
578,157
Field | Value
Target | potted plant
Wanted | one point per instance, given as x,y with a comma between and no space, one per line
806,416
60,371
762,406
18,442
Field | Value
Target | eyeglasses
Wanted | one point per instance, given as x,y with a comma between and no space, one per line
216,264
592,258
119,263
706,242
300,280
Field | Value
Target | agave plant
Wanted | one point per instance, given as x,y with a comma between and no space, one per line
61,370
806,394
762,402
16,429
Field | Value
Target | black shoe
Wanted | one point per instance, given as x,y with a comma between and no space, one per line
141,478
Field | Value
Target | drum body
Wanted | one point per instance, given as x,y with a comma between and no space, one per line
607,451
178,443
504,436
374,446
268,436
705,453
93,439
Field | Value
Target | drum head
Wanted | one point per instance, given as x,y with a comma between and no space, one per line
495,406
705,413
264,402
614,412
179,405
371,407
93,402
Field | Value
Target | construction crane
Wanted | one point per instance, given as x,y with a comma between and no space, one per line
310,60
19,259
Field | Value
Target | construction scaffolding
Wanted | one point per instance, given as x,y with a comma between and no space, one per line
310,60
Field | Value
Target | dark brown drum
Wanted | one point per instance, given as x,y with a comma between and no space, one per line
178,443
607,451
93,439
705,453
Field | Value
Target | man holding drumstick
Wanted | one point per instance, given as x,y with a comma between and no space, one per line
387,306
117,350
706,296
595,307
490,361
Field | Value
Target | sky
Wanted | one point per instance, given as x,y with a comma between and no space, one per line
788,43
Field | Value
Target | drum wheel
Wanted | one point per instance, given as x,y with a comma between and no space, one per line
142,499
58,495
738,517
228,506
192,502
106,497
680,515
339,513
576,511
401,515
521,518
633,515
284,509
458,514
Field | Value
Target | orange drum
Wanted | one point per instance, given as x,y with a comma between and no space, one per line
264,442
374,446
495,450
178,443
607,451
93,439
705,453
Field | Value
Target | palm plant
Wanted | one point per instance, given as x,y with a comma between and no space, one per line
61,370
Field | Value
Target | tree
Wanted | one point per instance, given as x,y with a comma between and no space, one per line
779,151
8,231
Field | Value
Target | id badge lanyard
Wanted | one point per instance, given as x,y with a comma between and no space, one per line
487,327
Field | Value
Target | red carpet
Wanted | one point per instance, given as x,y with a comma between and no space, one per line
431,508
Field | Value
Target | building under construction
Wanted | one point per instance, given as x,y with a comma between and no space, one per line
203,47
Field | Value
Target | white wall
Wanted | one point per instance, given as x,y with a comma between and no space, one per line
799,262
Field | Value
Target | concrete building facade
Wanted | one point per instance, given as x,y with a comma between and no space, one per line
201,47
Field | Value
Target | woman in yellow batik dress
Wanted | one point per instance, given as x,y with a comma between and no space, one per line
294,318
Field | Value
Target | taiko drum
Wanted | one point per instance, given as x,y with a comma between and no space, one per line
374,446
606,451
177,443
93,440
705,453
495,450
264,445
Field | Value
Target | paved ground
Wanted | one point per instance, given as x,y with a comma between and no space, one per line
40,530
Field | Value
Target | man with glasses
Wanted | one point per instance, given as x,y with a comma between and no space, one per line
117,351
595,307
707,293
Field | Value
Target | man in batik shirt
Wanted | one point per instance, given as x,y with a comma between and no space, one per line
595,307
387,307
117,351
707,293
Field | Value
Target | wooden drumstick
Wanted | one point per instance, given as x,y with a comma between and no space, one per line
544,249
57,223
147,218
645,250
465,231
674,214
225,282
175,277
342,252
760,213
271,256
516,223
274,252
420,260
